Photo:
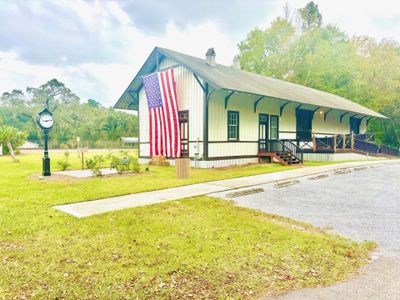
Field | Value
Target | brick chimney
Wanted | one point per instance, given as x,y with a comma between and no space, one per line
210,57
236,62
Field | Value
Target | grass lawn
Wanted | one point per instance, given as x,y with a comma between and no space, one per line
18,183
193,248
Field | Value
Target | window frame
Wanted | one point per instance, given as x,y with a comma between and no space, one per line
266,122
237,125
277,127
183,117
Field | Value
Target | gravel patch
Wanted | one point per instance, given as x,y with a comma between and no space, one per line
362,205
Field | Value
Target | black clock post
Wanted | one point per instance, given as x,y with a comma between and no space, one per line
45,121
46,158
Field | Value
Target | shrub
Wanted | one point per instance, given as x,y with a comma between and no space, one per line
64,163
123,162
95,164
134,165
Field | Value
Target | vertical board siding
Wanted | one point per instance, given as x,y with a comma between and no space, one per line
363,126
210,163
166,63
232,149
336,156
144,131
248,123
332,124
190,97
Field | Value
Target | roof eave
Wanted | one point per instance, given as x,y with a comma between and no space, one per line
133,80
375,115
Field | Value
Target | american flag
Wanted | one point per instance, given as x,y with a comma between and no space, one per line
160,91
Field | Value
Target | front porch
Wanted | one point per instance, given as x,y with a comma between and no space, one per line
292,151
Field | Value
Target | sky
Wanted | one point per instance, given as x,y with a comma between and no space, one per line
97,47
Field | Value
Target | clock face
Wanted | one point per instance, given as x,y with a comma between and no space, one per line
46,121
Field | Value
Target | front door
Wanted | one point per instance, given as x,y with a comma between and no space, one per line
184,131
303,124
262,132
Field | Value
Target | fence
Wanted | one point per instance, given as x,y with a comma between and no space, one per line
74,144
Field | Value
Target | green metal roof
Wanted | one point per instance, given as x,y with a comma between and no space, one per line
229,78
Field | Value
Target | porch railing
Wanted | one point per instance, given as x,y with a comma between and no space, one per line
282,146
294,149
337,143
389,150
366,146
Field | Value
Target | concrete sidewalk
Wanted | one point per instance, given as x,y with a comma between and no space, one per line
89,208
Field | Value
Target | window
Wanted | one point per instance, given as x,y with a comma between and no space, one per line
233,125
263,132
274,127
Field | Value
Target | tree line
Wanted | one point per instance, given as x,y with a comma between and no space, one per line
88,120
297,47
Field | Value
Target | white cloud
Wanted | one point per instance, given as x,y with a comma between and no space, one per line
106,80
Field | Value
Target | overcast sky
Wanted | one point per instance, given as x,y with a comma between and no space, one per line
96,47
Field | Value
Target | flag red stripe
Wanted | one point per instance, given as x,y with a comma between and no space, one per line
167,111
174,112
166,118
175,100
159,132
155,131
164,122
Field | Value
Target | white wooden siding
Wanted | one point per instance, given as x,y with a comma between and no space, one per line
337,156
166,63
248,123
332,124
211,163
190,97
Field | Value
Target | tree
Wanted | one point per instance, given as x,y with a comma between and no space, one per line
265,51
52,94
323,57
311,17
12,138
14,99
90,121
93,103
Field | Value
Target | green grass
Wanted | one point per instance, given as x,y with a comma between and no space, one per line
18,184
96,188
199,247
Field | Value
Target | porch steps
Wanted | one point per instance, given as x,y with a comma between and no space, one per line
282,157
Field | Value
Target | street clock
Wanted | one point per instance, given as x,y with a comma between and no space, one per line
45,119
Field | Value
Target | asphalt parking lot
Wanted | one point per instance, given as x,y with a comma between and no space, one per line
360,203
